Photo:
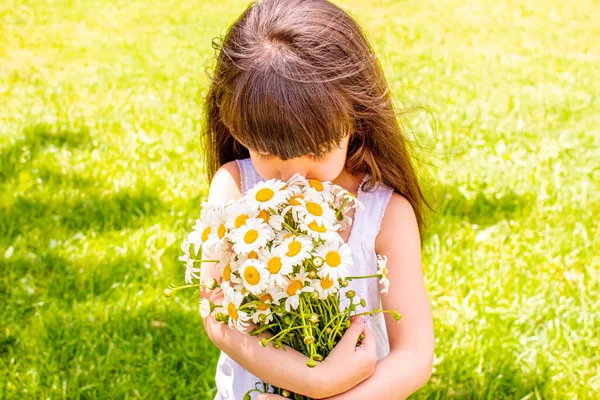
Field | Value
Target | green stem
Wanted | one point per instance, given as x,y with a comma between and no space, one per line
363,277
337,214
290,228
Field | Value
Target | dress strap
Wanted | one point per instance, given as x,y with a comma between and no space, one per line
248,175
368,220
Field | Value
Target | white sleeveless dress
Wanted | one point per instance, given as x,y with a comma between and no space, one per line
232,380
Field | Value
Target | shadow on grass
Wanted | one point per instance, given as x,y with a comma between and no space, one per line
117,349
17,157
90,211
450,205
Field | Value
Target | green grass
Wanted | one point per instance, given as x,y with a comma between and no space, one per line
100,179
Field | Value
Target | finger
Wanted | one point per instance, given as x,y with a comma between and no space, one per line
368,341
351,335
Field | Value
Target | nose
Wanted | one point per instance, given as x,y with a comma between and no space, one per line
290,169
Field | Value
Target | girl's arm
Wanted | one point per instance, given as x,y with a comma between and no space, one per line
285,369
409,365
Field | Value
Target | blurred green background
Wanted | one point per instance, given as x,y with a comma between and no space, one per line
101,178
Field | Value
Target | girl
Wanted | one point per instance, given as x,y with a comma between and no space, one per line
297,89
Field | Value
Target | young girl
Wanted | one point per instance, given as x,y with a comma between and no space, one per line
297,89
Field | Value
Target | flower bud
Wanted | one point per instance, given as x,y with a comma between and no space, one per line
329,331
220,317
397,316
312,274
311,363
264,342
317,357
212,284
315,295
344,283
318,261
285,393
314,319
262,318
167,292
361,336
309,340
350,294
363,302
276,345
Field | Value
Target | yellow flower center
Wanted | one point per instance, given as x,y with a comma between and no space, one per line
294,200
315,184
263,299
314,208
227,272
240,220
293,287
232,311
221,232
333,259
384,272
251,236
294,248
205,233
274,265
326,283
251,275
265,215
317,228
264,194
253,255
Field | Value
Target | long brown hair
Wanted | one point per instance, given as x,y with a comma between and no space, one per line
294,77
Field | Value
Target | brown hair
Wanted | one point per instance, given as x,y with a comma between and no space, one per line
294,77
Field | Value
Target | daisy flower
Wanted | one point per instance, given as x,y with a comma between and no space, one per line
337,257
271,296
319,191
228,267
232,301
201,235
325,286
278,264
253,235
294,286
296,183
254,275
324,231
274,220
309,211
297,248
383,271
281,235
206,307
191,272
237,214
267,194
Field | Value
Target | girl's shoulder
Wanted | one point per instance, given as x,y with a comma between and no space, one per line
399,221
226,183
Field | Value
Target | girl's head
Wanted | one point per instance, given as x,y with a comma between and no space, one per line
297,87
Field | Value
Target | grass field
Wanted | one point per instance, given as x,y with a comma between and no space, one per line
100,177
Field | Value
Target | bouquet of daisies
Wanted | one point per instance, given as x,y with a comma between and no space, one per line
283,264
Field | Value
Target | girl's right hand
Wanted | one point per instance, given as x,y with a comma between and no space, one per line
347,365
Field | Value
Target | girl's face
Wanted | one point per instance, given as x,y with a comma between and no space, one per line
326,168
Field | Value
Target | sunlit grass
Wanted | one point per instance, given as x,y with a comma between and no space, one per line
100,176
